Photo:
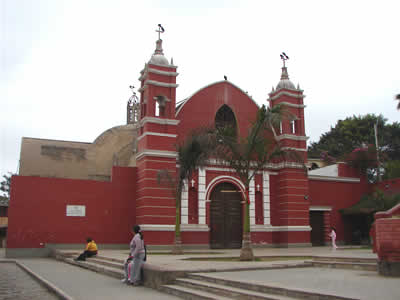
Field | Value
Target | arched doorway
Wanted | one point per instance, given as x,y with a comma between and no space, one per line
225,217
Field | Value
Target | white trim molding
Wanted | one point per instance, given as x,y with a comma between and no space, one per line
330,178
275,166
156,134
202,196
269,228
157,227
292,137
266,199
252,199
299,96
147,152
195,227
224,178
162,84
158,121
155,71
320,208
185,204
294,149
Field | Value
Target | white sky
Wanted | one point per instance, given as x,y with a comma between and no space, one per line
66,66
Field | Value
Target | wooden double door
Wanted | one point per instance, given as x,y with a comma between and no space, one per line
226,217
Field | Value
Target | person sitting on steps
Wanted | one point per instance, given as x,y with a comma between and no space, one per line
90,250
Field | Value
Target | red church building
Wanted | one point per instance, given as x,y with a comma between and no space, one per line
288,206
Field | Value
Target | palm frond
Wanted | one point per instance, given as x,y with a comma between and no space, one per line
397,97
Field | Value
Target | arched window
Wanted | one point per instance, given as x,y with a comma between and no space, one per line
160,103
293,126
225,118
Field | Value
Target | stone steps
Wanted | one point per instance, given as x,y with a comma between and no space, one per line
115,271
345,259
201,286
191,288
232,289
366,264
346,265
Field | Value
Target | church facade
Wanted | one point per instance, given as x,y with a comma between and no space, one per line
101,189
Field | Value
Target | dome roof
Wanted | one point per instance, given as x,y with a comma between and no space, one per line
158,57
285,83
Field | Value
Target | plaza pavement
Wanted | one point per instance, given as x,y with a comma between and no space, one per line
83,284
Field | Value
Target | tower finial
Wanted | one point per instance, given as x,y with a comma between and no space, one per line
160,30
284,58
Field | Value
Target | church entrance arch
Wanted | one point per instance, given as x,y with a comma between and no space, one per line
225,216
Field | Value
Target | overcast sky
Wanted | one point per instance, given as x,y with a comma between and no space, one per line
66,66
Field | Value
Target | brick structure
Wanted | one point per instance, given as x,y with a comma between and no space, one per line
115,176
385,233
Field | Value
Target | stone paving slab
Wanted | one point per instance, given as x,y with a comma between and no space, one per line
365,285
15,283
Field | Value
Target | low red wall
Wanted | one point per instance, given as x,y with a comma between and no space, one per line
386,241
37,211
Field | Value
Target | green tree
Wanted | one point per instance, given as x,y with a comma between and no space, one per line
249,155
365,159
392,169
5,185
355,132
192,154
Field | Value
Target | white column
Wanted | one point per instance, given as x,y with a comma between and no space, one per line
202,196
266,199
252,202
185,204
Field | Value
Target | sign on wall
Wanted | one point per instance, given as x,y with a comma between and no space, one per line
76,210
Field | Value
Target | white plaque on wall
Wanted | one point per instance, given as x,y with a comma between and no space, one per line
76,210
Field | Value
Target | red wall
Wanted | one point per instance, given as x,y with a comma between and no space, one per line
201,108
337,195
37,212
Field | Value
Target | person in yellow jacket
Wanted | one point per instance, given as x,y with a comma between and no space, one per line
90,250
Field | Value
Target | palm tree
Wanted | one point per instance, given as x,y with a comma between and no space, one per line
249,155
192,154
397,97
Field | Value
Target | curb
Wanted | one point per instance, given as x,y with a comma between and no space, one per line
51,287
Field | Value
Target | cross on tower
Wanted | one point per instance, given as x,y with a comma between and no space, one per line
284,57
160,30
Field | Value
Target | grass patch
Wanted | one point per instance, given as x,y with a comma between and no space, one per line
261,258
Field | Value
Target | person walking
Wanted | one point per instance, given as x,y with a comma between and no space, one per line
333,237
136,258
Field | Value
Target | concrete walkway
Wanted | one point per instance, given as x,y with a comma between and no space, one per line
356,284
83,284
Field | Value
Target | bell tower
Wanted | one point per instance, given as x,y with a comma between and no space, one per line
293,198
155,204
